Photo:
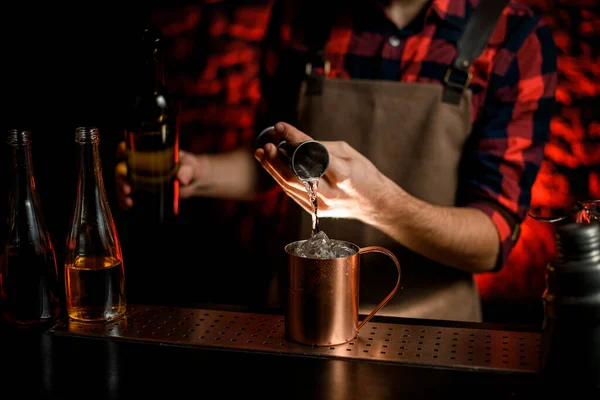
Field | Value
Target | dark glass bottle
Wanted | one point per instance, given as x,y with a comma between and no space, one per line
571,331
152,137
28,271
94,273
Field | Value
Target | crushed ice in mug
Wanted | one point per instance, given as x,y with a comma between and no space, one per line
322,247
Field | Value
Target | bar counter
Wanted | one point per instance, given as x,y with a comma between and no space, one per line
173,353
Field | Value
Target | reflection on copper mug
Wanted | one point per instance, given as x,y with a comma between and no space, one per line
322,304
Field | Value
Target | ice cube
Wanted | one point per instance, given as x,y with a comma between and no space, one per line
318,246
341,249
322,247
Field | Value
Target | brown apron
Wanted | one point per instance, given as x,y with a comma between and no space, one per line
415,134
416,140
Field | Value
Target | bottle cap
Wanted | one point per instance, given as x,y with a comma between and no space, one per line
17,137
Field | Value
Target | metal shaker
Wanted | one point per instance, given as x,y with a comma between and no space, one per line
308,160
571,330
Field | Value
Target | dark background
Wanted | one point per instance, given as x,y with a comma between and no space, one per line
65,66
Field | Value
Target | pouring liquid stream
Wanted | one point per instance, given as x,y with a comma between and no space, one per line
319,245
312,188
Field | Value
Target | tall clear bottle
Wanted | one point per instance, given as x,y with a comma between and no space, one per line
152,137
94,273
28,271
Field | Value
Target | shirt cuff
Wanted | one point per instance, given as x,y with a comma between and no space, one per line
507,226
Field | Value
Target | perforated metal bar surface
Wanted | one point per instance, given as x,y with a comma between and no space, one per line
382,342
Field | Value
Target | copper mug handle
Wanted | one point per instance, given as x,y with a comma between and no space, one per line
377,249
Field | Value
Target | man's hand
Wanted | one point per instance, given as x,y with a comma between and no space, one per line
348,188
352,187
192,173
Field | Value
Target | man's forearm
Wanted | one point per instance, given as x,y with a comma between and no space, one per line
464,238
234,175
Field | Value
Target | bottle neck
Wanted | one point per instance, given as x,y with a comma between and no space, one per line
22,184
154,73
25,214
90,185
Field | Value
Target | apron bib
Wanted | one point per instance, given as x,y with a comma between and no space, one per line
416,140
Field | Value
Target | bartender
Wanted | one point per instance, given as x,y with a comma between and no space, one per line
435,114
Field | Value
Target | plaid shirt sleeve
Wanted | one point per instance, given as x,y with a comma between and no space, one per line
511,132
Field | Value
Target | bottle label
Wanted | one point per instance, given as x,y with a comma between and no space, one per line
152,162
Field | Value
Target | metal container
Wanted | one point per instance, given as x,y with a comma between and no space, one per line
308,159
322,306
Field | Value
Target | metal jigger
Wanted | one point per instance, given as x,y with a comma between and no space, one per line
309,159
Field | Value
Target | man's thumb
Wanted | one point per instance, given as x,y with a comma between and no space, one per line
185,174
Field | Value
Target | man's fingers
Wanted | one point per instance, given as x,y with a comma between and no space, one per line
125,203
121,169
184,156
290,134
123,186
272,163
185,174
121,178
121,151
123,192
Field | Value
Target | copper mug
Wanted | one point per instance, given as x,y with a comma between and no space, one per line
322,304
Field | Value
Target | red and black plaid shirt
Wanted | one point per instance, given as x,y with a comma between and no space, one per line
213,67
513,85
570,171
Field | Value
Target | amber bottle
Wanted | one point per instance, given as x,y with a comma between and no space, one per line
94,272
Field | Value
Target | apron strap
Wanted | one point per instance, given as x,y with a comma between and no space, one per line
473,40
317,66
321,20
317,33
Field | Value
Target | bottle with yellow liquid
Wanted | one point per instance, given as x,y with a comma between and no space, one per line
94,274
152,137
